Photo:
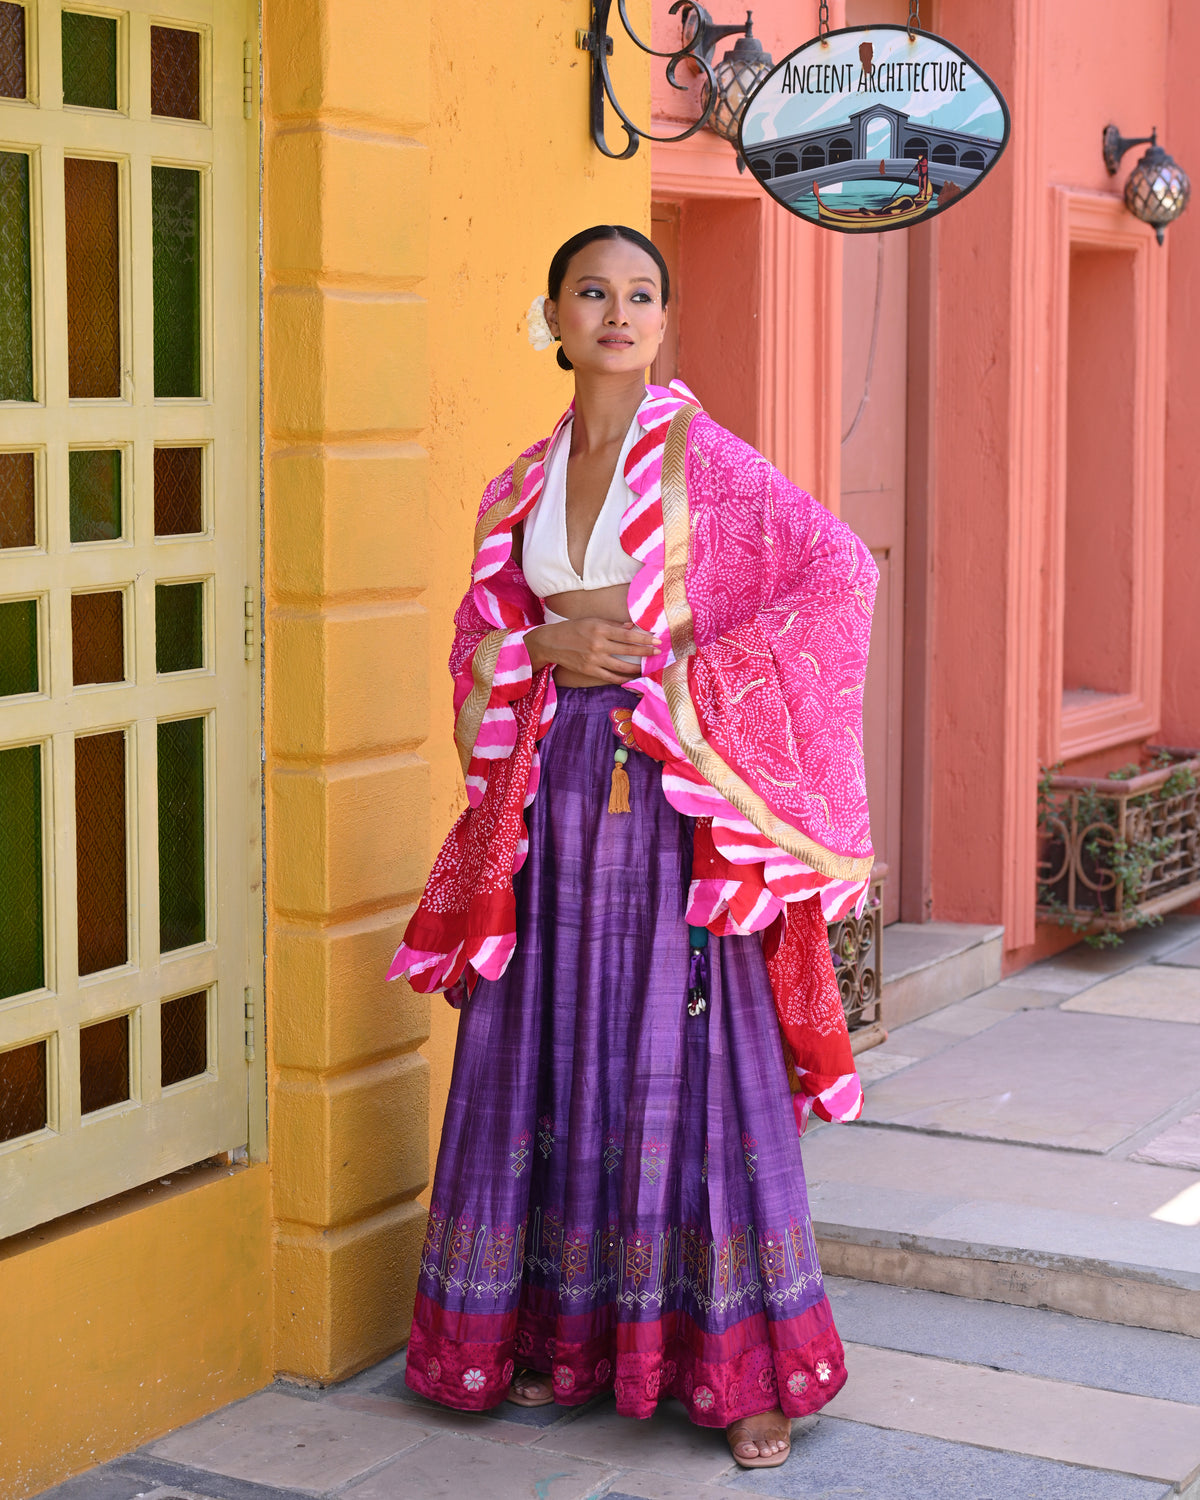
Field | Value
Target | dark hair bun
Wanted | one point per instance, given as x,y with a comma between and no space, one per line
564,363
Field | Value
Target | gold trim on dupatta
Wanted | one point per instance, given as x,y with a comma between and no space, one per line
487,653
470,715
500,510
719,775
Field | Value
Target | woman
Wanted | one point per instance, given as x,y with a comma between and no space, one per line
658,686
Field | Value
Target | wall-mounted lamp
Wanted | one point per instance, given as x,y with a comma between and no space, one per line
699,37
1158,189
738,74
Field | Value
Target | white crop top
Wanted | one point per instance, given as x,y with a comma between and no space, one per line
545,559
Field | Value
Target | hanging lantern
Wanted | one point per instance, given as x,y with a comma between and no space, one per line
738,74
1158,189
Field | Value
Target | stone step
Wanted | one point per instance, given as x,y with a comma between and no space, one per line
1006,1223
1144,1439
1034,1402
929,965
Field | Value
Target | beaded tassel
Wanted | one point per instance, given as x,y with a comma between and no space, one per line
618,792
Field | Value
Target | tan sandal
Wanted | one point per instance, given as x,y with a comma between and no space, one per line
739,1432
527,1378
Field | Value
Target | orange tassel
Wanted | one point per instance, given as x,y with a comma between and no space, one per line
618,796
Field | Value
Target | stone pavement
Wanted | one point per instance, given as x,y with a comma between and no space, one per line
1036,1144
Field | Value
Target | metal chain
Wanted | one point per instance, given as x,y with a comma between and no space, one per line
823,19
914,17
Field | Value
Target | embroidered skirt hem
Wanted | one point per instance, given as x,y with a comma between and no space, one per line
797,1364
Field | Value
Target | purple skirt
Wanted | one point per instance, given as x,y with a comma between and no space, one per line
619,1198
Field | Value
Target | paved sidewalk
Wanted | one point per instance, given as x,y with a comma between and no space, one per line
949,1399
1036,1144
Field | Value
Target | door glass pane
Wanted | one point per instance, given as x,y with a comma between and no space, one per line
93,278
97,638
12,51
174,72
89,60
103,1064
16,286
95,487
181,895
178,508
175,201
100,851
18,647
22,1090
184,1023
18,514
178,626
21,965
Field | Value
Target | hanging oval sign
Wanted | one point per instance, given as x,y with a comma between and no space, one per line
870,128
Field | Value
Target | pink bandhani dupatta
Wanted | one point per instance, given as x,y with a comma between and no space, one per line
755,712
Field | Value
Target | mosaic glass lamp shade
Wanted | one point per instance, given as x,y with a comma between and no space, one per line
738,74
1157,190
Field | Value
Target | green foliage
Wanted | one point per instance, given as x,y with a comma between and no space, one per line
1180,781
1125,773
1045,796
1128,863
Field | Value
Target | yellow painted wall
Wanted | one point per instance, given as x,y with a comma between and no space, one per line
514,173
346,238
122,1322
421,168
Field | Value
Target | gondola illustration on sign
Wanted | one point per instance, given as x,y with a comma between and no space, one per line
873,128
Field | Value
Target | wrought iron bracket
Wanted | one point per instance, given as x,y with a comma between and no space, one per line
1116,145
700,37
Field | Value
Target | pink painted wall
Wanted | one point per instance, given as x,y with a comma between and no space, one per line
1181,591
718,330
1002,414
1101,61
1066,69
968,503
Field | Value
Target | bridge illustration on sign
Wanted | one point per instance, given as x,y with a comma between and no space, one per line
925,167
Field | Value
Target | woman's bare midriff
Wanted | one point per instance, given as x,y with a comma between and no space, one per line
595,604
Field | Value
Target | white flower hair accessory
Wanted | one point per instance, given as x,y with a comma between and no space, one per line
535,321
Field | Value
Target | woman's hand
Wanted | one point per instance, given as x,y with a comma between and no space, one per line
592,648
